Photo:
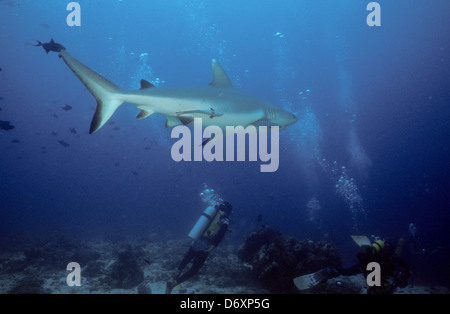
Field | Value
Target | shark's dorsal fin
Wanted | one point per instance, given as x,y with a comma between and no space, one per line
52,41
146,85
220,78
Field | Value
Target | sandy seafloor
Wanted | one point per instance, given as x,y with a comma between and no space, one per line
22,272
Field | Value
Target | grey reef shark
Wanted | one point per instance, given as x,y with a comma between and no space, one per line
217,104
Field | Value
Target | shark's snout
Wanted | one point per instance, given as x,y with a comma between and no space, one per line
289,119
294,118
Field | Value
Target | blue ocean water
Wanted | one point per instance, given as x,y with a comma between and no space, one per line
369,154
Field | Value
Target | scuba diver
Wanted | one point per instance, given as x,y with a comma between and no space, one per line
411,242
207,234
395,272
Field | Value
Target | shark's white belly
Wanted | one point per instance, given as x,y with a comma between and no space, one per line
235,107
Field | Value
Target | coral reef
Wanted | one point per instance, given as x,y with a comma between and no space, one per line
144,289
29,285
267,262
125,273
276,259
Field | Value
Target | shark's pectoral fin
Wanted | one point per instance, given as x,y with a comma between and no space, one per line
172,121
144,114
208,140
146,84
186,120
214,137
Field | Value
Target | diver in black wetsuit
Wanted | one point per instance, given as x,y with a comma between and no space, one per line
395,272
200,248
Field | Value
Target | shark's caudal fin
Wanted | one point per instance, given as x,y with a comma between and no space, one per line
106,93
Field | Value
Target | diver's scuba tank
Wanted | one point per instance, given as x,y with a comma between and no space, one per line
378,246
203,222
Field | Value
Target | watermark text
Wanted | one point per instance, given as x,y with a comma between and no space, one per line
194,148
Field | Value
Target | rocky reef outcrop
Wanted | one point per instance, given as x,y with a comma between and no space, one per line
276,259
126,273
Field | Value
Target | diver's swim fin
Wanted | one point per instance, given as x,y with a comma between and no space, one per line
308,281
361,240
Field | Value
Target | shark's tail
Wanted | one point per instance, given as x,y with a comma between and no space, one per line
106,93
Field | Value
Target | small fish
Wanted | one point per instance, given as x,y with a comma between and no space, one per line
259,218
50,46
63,143
67,108
73,131
45,25
436,250
54,133
147,261
12,4
15,141
6,125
